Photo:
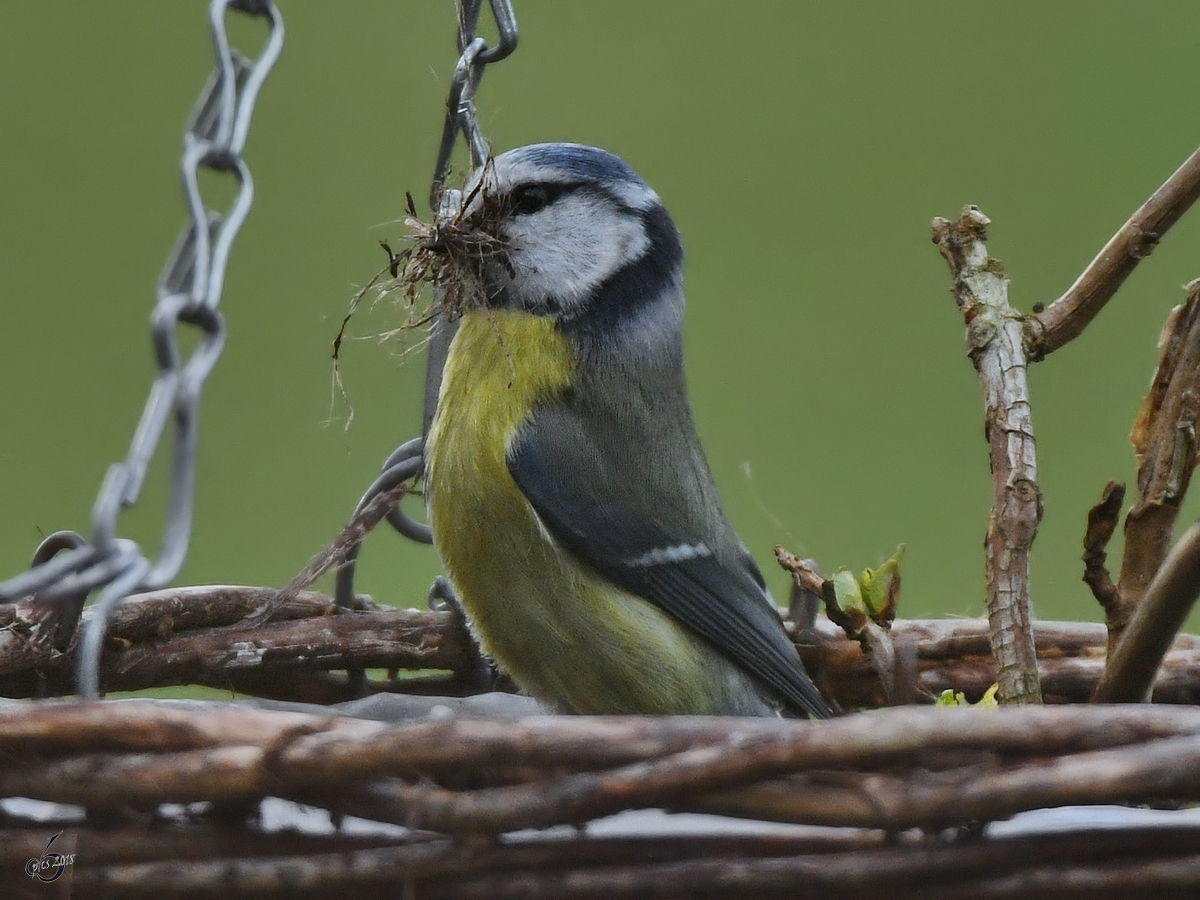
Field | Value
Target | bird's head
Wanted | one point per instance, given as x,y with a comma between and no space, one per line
582,238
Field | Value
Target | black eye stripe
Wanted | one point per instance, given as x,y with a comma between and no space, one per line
526,199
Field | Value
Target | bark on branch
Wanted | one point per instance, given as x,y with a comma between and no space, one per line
1065,318
1131,668
995,345
904,766
1094,864
199,635
1164,440
866,777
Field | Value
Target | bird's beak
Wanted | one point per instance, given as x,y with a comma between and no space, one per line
449,206
463,251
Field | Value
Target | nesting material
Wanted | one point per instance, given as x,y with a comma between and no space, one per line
459,254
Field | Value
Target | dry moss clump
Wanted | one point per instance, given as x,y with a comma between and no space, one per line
458,254
454,254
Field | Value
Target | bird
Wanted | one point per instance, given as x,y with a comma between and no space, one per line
569,497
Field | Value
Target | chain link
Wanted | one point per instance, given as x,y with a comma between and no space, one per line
188,292
407,462
474,57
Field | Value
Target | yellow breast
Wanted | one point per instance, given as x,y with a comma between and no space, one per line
499,366
568,636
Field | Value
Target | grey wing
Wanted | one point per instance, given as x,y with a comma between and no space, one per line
637,517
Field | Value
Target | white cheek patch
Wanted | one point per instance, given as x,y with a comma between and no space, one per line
568,249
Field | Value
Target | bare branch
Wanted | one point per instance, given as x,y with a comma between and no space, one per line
109,843
1164,439
168,638
1065,318
1101,523
967,793
897,768
955,654
995,345
866,776
1163,609
165,638
856,866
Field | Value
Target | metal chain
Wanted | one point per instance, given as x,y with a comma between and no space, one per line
474,56
407,462
188,292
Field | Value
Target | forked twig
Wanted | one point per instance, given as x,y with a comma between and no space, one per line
1001,343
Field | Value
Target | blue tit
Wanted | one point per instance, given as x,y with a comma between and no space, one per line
569,496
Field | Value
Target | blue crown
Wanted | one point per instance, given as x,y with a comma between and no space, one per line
580,161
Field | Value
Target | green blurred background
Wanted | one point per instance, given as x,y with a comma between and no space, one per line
803,149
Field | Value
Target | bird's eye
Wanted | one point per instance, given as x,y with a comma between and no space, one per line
530,198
